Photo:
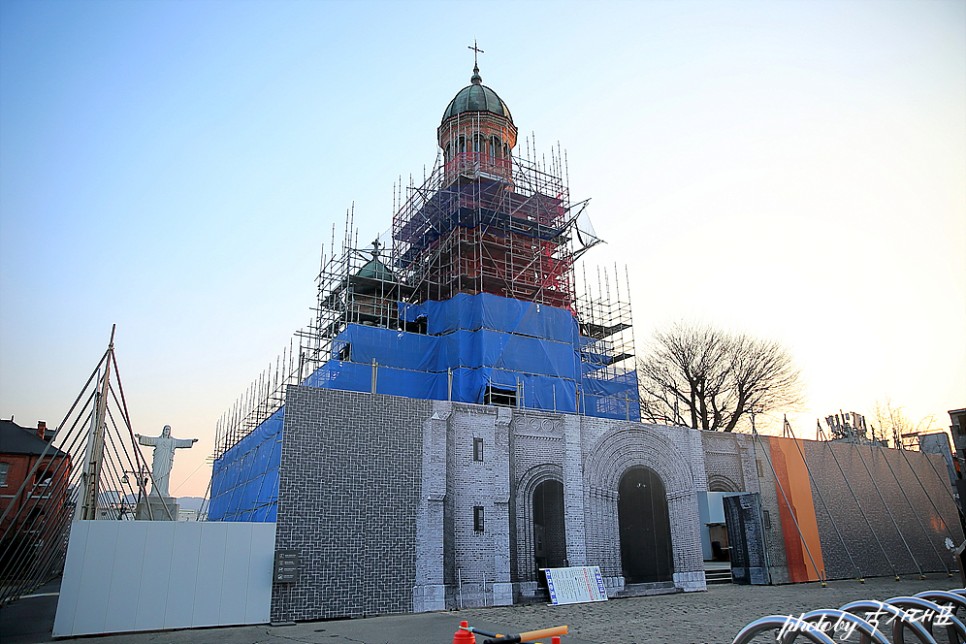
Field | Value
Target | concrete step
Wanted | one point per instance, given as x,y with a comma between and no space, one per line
654,588
717,577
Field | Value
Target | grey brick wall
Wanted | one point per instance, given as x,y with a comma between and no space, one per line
538,450
524,448
377,494
610,448
730,462
349,490
480,559
894,521
906,501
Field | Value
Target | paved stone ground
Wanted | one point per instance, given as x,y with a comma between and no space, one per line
713,616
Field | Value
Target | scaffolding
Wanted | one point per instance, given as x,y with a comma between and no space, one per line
503,226
266,394
477,224
345,294
607,344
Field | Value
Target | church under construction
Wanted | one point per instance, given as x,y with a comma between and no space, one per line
475,301
463,412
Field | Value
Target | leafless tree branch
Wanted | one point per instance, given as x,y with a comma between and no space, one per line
705,378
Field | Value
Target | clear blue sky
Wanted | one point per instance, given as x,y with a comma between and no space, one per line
792,169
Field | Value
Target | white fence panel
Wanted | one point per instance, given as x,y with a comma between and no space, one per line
155,575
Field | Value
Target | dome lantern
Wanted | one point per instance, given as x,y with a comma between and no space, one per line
477,129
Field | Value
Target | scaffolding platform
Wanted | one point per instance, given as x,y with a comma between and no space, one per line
473,298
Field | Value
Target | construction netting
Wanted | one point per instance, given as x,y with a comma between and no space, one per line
244,480
483,349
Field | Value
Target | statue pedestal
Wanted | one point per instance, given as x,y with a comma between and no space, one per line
156,508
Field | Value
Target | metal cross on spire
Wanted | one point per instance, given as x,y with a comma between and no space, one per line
476,79
476,50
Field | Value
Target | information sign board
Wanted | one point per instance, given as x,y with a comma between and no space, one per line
286,566
575,585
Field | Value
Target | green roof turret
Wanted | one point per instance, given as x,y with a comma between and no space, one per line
477,97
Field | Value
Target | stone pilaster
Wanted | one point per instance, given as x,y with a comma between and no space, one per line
573,485
429,588
502,594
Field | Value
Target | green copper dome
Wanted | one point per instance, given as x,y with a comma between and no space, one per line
477,97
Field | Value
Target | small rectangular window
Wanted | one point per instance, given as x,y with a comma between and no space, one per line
501,397
478,518
478,450
766,519
761,471
4,469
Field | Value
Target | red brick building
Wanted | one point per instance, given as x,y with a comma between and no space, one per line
32,499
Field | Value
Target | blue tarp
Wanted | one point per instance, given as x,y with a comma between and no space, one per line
244,480
485,311
616,397
472,342
349,376
482,340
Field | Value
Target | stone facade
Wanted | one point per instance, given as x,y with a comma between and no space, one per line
730,462
403,505
674,453
399,505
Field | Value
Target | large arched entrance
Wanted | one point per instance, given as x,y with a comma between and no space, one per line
645,529
549,533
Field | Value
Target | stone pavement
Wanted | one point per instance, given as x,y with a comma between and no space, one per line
713,616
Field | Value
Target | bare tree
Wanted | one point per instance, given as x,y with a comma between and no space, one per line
709,379
892,422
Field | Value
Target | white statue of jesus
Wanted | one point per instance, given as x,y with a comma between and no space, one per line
164,447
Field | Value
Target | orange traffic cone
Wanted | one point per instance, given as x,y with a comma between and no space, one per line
463,636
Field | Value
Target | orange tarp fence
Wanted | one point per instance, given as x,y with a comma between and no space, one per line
792,477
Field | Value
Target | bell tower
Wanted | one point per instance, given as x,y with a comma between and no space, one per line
477,134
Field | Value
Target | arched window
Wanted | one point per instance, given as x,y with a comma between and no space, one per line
477,143
462,144
494,146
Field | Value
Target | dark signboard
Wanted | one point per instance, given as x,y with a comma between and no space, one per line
286,566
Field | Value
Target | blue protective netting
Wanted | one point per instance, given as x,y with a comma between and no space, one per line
472,343
481,341
244,480
486,311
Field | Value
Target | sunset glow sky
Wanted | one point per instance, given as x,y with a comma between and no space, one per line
796,170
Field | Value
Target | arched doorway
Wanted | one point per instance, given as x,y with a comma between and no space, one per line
721,483
645,529
716,531
549,533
